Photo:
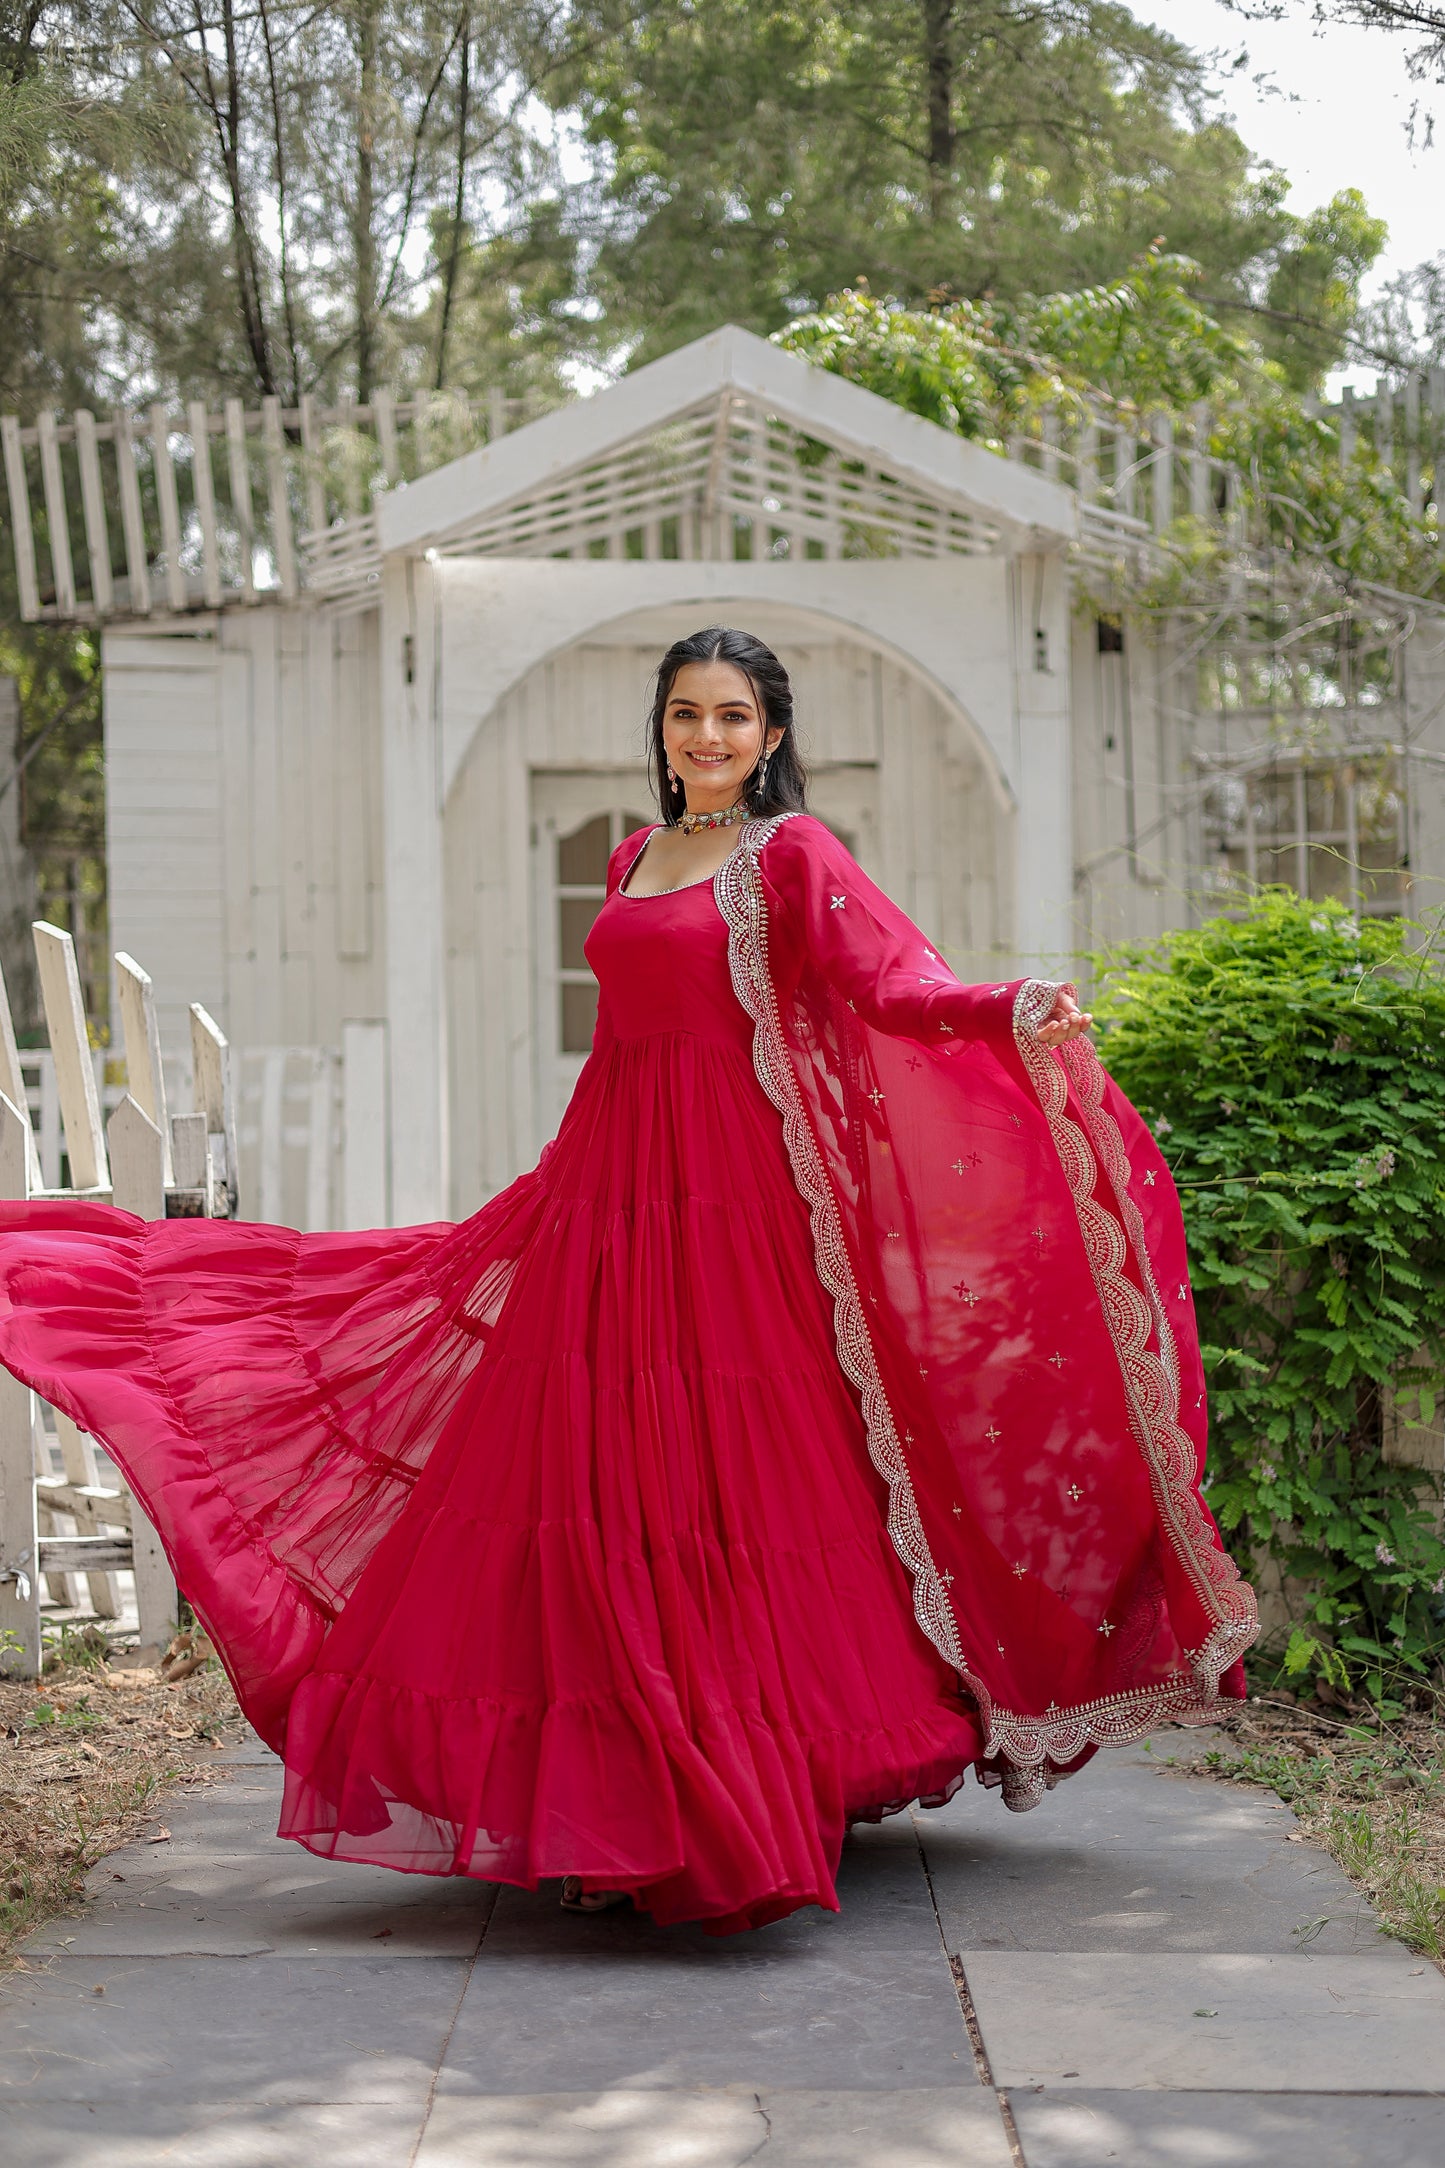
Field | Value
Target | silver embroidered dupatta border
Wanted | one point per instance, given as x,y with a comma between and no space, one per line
1026,1745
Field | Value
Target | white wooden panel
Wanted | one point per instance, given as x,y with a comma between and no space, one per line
165,480
65,1026
163,816
19,1587
12,1087
57,525
364,1197
92,498
140,1027
131,518
354,781
138,1154
22,532
205,501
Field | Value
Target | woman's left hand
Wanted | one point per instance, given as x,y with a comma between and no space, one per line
1066,1020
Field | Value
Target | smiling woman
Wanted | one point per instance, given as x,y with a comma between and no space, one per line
821,1417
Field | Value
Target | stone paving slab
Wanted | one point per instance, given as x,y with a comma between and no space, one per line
253,2029
1127,1856
215,2134
1370,2023
863,2000
518,2036
719,2129
240,1910
1229,2130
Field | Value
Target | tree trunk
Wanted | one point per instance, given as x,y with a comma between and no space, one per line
364,215
939,67
228,124
454,252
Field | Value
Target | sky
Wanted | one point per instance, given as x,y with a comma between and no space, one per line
1332,110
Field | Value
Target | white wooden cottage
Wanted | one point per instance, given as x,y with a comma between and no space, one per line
362,786
391,801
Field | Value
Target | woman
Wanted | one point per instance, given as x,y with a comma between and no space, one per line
823,1415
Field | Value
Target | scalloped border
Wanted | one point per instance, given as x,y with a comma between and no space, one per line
1026,1745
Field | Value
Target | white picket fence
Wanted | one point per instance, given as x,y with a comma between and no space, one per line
219,505
63,1516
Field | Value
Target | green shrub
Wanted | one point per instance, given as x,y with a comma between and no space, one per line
1291,1060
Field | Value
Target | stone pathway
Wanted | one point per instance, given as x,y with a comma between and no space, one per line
1144,1971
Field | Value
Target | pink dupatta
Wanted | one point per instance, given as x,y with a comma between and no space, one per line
1003,1244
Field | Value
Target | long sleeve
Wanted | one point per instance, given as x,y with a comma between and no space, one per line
872,954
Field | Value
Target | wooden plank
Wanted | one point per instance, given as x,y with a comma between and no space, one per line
69,1043
97,1499
48,1123
77,1458
312,460
169,505
141,1032
383,407
136,1149
1126,452
283,541
92,504
22,533
353,448
12,1085
57,517
348,800
92,1555
136,1143
363,1125
190,1150
214,1087
200,424
319,1139
239,467
1162,459
271,1117
19,1562
132,519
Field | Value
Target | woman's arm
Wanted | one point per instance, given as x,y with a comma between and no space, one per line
877,958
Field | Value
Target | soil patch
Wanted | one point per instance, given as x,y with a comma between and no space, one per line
87,1757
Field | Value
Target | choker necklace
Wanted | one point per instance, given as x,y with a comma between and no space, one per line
692,824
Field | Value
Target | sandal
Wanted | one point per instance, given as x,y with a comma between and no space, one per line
576,1899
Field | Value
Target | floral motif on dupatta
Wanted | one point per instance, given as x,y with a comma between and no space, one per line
1097,1694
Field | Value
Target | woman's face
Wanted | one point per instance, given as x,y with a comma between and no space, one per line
712,730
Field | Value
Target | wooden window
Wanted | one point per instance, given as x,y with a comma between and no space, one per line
581,887
1326,828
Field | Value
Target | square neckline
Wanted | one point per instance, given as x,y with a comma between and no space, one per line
679,888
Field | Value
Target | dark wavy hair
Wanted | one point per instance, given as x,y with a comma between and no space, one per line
784,790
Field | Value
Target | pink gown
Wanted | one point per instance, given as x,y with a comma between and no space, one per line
629,1607
823,1414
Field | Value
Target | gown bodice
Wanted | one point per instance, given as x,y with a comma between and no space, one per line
662,966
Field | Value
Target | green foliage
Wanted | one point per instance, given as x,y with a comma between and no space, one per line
1143,344
759,157
1292,1063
